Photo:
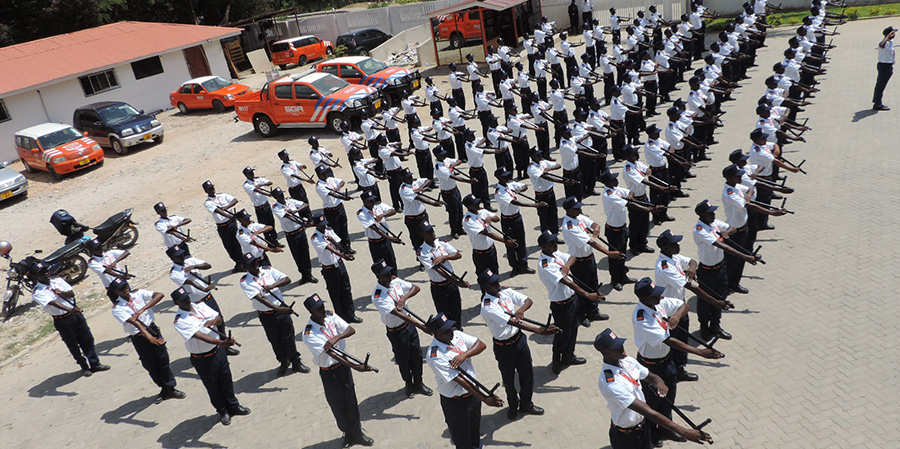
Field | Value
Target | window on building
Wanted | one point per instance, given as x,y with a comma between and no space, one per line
96,83
4,114
147,67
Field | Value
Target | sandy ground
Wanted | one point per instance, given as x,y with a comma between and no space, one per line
788,381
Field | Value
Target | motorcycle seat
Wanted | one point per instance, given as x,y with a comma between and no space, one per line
63,253
111,223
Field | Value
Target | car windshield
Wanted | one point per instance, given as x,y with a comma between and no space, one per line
215,84
117,113
370,66
328,85
58,138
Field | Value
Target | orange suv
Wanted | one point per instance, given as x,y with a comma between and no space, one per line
300,50
460,27
56,148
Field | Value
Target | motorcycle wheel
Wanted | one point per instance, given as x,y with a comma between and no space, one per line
73,269
127,238
10,300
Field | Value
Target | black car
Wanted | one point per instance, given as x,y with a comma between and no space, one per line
117,125
363,41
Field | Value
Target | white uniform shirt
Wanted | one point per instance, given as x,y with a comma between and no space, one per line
496,312
320,243
453,78
439,356
98,265
411,204
43,294
649,66
219,201
322,188
426,254
674,135
456,116
180,277
651,327
669,273
558,100
621,386
617,109
493,61
431,93
886,53
188,322
253,285
440,125
442,171
634,176
615,206
289,170
734,201
349,138
385,300
505,195
245,236
123,310
568,154
474,154
316,335
290,206
367,218
535,170
705,236
256,199
761,155
163,224
391,162
577,233
550,275
319,155
474,225
655,152
419,140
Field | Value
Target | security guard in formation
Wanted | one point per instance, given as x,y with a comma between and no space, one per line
294,215
414,201
255,188
295,176
449,356
170,226
503,309
477,224
325,335
57,299
329,189
195,323
508,195
435,255
390,297
373,217
263,286
615,203
652,318
134,309
106,263
219,205
252,237
332,252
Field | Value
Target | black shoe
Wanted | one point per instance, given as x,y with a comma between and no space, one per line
240,411
723,335
351,250
232,351
766,228
560,242
512,413
410,390
740,289
308,280
574,361
176,394
282,370
298,366
531,410
627,280
685,376
523,270
646,249
688,175
100,367
706,334
454,236
881,107
238,268
680,194
355,319
361,439
87,372
490,209
160,397
705,157
618,287
598,317
225,419
423,389
668,218
586,322
776,196
347,441
556,367
657,443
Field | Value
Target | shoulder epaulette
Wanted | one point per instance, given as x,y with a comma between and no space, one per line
377,292
569,224
329,312
487,301
244,277
308,329
434,350
664,264
640,315
608,374
544,263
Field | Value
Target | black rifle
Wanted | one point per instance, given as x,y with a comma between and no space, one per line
530,321
683,416
364,363
223,336
478,385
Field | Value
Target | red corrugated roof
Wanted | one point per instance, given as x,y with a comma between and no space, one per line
37,63
496,5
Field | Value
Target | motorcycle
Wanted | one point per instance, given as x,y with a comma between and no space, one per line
18,278
118,231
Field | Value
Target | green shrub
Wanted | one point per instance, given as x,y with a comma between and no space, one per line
890,12
876,11
774,21
341,50
852,13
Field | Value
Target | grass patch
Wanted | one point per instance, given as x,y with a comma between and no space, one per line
796,17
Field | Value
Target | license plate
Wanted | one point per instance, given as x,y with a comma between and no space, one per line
377,104
416,84
148,136
5,195
84,161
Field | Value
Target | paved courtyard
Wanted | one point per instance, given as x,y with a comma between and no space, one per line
813,363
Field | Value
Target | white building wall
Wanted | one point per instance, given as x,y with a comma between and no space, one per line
61,99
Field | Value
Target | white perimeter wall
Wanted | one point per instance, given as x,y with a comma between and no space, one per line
61,99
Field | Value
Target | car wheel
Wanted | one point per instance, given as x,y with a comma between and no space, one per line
218,106
28,168
158,139
53,172
334,122
301,60
183,108
363,52
388,101
264,126
329,51
456,41
117,146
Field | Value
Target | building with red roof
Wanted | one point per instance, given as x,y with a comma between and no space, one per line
136,62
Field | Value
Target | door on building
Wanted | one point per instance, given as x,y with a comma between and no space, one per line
196,61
